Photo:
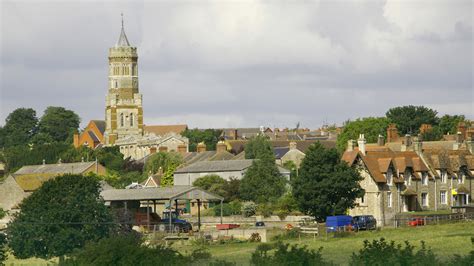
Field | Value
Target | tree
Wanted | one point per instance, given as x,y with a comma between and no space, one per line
449,123
325,185
371,127
212,183
262,182
163,160
62,215
59,123
3,248
210,137
410,118
232,190
20,127
258,147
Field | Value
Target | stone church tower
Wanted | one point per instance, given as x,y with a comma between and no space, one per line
123,111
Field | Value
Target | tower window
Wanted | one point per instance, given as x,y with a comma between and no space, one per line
116,84
131,120
121,120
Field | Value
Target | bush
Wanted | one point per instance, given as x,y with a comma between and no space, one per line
228,209
3,213
249,208
380,252
125,250
265,209
3,248
289,234
287,255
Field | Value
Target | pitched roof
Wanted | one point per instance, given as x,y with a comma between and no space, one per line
123,40
100,124
280,151
216,166
238,146
31,177
161,193
161,130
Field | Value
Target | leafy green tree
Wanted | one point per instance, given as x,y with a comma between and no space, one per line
41,139
212,183
262,182
59,123
259,147
18,156
449,123
210,137
325,185
371,127
290,165
110,157
62,215
432,135
409,118
232,190
167,178
163,160
20,127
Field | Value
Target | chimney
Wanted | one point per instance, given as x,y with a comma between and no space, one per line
458,142
292,145
462,129
361,143
162,149
418,144
182,149
236,134
350,145
221,146
380,140
152,150
201,147
392,133
406,142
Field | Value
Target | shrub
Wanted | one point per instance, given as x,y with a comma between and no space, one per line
289,234
380,252
125,250
228,209
249,208
255,237
287,255
3,213
265,209
3,248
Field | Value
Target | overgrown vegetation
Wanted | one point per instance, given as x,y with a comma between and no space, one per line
286,254
62,215
210,137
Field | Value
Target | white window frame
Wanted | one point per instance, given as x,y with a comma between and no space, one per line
444,176
443,197
389,177
424,201
460,178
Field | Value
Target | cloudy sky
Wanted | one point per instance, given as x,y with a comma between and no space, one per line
242,63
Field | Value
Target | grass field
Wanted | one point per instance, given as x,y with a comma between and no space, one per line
445,241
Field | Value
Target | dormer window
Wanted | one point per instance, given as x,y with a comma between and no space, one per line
424,178
408,179
443,176
389,177
460,177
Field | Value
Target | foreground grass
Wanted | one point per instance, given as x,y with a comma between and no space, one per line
445,241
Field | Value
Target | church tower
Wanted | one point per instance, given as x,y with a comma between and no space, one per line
123,111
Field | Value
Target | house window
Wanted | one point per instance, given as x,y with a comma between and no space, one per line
442,197
460,178
408,179
122,120
362,200
389,177
424,199
389,199
424,179
443,176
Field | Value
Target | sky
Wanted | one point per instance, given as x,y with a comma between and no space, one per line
242,63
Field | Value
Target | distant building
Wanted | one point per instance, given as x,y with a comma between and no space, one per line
92,136
29,178
185,176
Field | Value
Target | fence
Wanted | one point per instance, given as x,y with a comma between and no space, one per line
419,220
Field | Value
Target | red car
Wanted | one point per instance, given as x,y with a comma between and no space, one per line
416,221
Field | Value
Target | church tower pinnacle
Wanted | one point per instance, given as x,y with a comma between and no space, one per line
123,111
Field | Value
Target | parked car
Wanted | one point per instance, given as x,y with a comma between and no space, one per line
364,222
416,221
259,224
338,223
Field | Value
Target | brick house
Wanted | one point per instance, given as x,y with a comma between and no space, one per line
92,135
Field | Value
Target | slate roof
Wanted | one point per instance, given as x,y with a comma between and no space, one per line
280,151
161,193
93,136
100,124
216,166
238,146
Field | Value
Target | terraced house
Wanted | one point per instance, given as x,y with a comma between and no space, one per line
412,178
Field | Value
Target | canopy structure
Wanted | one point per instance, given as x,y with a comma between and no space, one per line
170,194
